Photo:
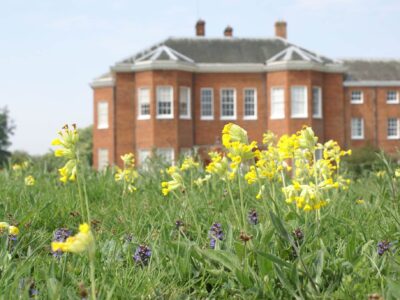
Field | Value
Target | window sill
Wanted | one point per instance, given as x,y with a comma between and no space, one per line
228,118
185,117
299,117
393,102
277,117
102,127
206,118
357,138
393,138
362,102
143,118
317,117
165,117
250,118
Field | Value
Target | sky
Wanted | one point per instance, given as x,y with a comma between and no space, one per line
50,50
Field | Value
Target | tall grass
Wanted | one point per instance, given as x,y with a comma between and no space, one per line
335,259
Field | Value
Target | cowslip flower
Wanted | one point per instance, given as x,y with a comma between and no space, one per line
397,173
175,183
360,201
68,139
60,235
142,255
128,174
29,180
189,163
219,165
9,229
81,242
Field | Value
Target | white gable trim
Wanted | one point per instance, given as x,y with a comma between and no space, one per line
366,83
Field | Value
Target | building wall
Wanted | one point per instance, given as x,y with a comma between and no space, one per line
126,133
103,138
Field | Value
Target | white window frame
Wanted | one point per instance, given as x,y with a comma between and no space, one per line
361,101
100,164
319,115
170,115
207,118
102,123
254,116
188,115
396,101
304,114
234,104
140,115
159,152
274,115
357,137
393,137
147,155
185,152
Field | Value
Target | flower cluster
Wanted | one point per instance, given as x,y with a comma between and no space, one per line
189,163
215,234
128,174
29,180
383,246
81,242
175,183
142,255
60,235
312,178
11,230
18,168
253,217
68,139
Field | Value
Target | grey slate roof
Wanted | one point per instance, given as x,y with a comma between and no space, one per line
227,50
368,69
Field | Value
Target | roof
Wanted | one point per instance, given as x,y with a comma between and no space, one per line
228,50
372,69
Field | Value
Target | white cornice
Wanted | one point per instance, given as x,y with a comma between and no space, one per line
304,65
372,83
102,82
230,68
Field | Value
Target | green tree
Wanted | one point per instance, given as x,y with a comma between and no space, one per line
6,130
85,145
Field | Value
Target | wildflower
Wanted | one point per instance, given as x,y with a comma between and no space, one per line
128,174
253,217
81,242
176,182
383,246
397,172
298,235
142,255
380,174
60,235
10,229
233,133
200,181
219,165
360,201
189,163
68,141
29,180
244,237
215,234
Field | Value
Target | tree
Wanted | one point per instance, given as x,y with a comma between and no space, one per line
6,130
85,145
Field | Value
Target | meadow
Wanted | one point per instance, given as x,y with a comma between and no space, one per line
249,225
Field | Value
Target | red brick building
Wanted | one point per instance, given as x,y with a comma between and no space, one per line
179,94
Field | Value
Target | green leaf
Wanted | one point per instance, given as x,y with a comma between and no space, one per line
275,259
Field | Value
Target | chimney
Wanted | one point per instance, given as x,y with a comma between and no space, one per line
280,29
228,32
200,28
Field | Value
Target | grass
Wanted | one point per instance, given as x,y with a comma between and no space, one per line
336,259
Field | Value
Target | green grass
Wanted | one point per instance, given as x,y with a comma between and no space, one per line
337,258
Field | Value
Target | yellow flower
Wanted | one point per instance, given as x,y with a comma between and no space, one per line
360,201
176,182
29,180
189,163
233,133
127,175
397,173
81,242
68,139
12,230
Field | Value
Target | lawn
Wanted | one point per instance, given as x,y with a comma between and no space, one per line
221,238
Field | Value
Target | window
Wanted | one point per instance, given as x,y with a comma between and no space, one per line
393,131
299,102
102,115
186,152
319,154
143,156
277,103
144,103
317,102
167,154
165,107
250,104
102,159
357,97
357,128
228,104
184,103
207,104
392,97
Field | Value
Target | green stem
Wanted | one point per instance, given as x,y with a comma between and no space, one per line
241,198
233,201
92,275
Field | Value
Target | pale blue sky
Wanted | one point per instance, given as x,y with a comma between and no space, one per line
50,50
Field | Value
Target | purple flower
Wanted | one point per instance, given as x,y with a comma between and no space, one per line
60,235
142,255
383,246
253,217
215,233
298,234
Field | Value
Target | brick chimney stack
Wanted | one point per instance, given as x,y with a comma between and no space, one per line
200,28
228,32
281,29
